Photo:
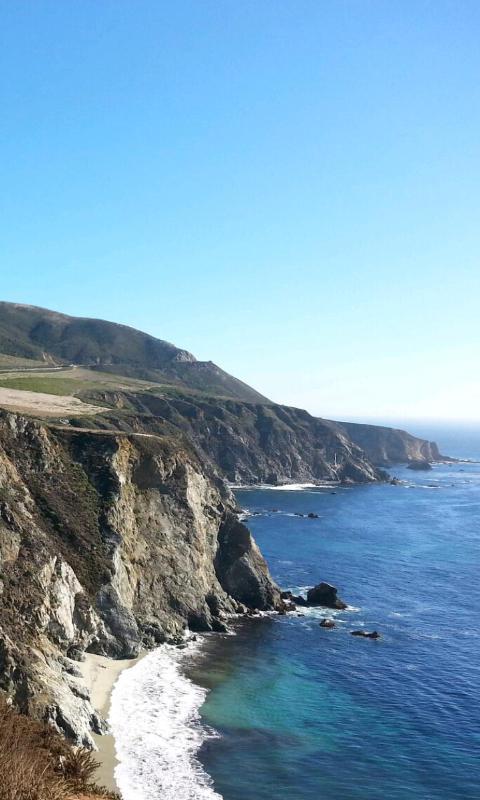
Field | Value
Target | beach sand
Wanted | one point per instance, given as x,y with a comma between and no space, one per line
100,675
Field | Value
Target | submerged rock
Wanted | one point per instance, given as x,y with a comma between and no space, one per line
327,623
366,634
324,594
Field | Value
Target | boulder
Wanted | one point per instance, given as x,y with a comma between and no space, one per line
299,600
420,465
311,515
295,599
327,623
366,634
324,594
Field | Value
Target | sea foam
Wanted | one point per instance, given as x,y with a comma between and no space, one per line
155,720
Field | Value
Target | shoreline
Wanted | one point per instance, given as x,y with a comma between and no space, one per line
100,675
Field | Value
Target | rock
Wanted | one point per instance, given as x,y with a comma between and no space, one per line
299,600
385,446
324,594
420,465
294,599
366,634
298,514
327,623
311,515
219,626
114,542
241,568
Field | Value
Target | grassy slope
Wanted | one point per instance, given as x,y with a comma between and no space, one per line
33,333
80,382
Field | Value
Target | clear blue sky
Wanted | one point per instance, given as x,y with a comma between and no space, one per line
289,188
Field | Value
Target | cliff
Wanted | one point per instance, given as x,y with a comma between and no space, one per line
109,543
385,446
258,443
247,442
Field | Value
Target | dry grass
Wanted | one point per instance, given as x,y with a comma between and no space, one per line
36,763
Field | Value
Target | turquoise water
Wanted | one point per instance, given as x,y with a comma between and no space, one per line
305,712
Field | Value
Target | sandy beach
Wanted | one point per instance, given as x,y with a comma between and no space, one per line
100,675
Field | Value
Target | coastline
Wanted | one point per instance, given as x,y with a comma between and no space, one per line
158,730
100,675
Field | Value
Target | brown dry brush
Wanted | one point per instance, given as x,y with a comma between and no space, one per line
36,763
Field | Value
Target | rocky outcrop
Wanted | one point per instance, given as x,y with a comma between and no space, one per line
241,569
324,594
385,446
109,543
327,623
366,634
421,465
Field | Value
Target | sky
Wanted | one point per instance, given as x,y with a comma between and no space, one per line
289,188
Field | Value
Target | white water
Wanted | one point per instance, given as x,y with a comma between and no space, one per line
155,720
286,487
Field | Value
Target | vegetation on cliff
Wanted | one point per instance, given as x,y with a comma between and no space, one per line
36,763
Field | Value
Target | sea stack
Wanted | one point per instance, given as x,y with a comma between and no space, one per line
324,594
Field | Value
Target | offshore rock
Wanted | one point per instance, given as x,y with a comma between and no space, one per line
327,623
324,594
366,634
420,465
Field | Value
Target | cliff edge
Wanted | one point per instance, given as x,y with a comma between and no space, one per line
109,543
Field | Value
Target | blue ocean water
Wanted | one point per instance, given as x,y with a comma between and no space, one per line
305,713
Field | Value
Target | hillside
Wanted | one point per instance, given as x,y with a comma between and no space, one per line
28,332
100,375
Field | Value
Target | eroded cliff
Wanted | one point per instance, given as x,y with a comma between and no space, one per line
109,542
385,446
247,442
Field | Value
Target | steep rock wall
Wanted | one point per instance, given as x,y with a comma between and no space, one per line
248,443
385,446
108,543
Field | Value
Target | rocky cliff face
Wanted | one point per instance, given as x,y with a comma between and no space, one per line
247,442
109,543
385,446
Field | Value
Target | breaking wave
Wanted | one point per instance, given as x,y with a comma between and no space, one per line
155,720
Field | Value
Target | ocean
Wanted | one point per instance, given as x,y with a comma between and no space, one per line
288,710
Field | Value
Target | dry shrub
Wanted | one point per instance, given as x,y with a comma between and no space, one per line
36,763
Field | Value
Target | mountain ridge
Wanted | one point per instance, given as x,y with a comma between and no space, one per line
52,337
245,435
